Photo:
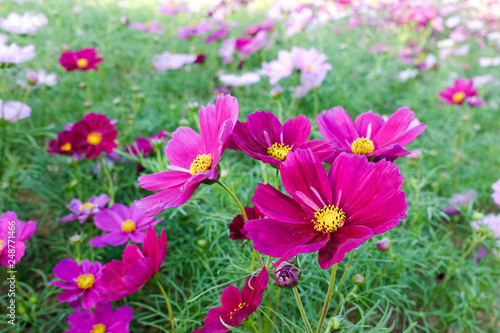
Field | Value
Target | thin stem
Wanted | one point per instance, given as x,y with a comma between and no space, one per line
170,312
242,210
264,171
344,276
337,310
276,305
107,174
327,299
302,311
277,179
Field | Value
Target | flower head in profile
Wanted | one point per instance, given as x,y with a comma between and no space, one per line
13,111
151,27
194,157
79,280
24,24
13,232
102,319
121,224
457,200
122,278
237,226
81,211
141,146
496,192
236,305
462,92
333,213
83,60
370,135
13,54
264,138
158,139
94,135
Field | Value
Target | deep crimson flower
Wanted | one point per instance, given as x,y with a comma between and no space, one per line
122,278
102,319
461,92
333,213
194,157
237,226
370,134
141,146
83,60
93,135
13,232
64,144
264,138
236,306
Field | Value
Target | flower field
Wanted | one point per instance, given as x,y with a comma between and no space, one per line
249,166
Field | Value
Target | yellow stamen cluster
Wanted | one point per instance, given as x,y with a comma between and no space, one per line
94,138
147,24
98,328
128,226
201,163
82,63
85,281
1,241
362,146
328,219
66,146
458,97
86,205
240,306
279,151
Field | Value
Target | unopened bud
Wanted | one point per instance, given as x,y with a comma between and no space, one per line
201,242
415,155
75,239
477,216
384,244
358,279
124,20
334,322
287,275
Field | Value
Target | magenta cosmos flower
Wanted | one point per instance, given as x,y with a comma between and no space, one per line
236,305
102,320
264,138
81,211
13,234
370,135
237,226
122,278
194,157
333,213
79,280
63,145
141,146
93,135
83,60
122,224
461,92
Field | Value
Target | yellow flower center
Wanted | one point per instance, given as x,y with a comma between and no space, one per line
173,5
66,146
147,24
279,151
328,219
85,281
94,138
362,146
309,68
420,59
86,205
458,97
201,163
128,226
1,241
98,328
82,63
240,306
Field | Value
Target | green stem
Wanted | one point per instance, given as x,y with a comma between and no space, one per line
111,188
280,111
344,276
170,312
89,90
337,310
327,299
277,179
264,171
316,104
240,206
276,305
302,311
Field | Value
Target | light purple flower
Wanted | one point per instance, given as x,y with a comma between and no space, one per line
460,199
298,20
496,192
489,62
13,234
239,80
3,38
13,111
220,33
255,44
39,78
122,224
82,211
226,50
167,61
189,31
14,54
101,320
170,8
280,68
490,222
24,24
151,27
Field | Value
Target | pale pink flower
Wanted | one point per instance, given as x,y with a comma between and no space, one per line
167,61
226,50
496,192
13,111
14,54
239,80
24,24
151,27
280,68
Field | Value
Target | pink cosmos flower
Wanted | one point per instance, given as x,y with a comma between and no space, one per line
167,61
226,50
220,33
13,234
461,92
244,79
84,60
280,68
39,78
13,54
170,8
151,27
490,222
370,134
264,138
236,305
102,319
194,157
122,278
460,199
157,139
496,192
79,280
333,213
94,135
189,31
82,211
13,111
122,224
24,24
254,29
237,226
249,46
63,145
141,146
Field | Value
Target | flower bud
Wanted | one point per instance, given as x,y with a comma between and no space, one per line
384,244
75,239
415,155
124,20
287,275
358,279
201,243
334,322
477,216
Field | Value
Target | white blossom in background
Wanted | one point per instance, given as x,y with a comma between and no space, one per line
24,24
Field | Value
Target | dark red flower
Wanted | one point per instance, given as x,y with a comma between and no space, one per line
64,144
83,60
237,226
93,135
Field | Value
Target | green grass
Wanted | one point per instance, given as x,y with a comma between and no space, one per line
201,260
